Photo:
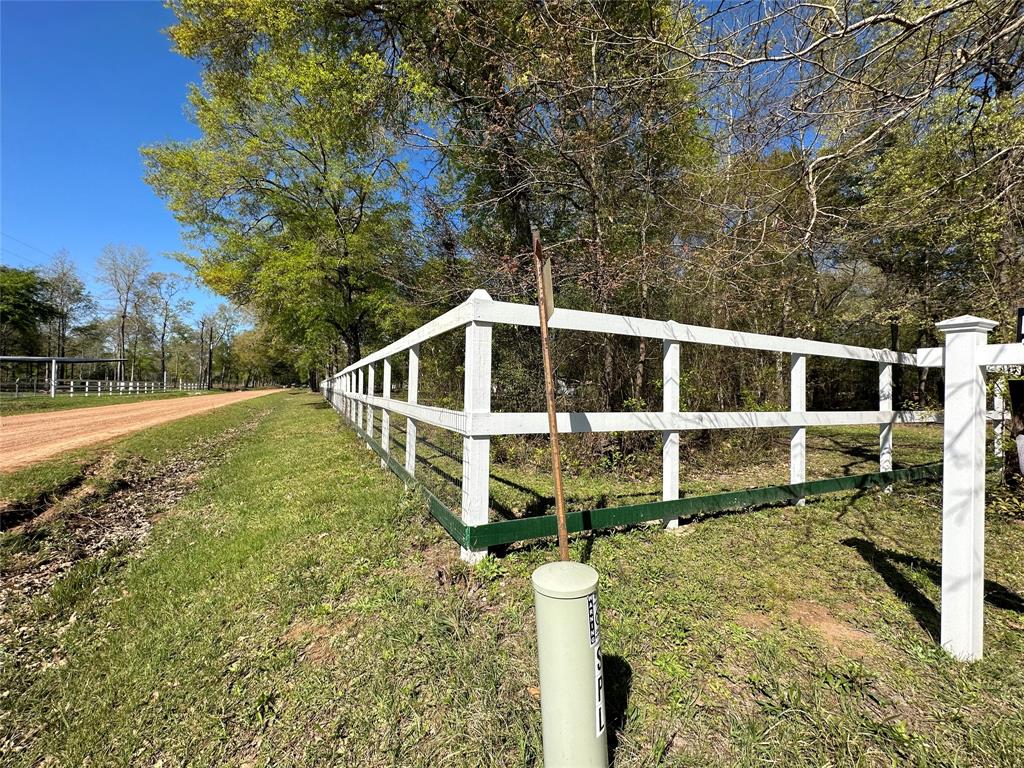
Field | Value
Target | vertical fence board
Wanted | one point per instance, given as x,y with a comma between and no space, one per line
476,451
385,417
371,388
999,406
413,397
798,436
670,440
885,404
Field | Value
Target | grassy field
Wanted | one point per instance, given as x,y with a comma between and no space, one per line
11,406
297,607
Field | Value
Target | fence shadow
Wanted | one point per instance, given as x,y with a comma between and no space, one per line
887,561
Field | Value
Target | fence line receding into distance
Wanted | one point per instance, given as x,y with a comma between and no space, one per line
965,356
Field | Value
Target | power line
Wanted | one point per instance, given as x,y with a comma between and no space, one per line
7,251
27,245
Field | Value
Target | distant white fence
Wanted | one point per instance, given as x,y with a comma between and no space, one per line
88,387
354,392
79,387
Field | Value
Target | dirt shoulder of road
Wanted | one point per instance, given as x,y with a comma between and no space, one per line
25,440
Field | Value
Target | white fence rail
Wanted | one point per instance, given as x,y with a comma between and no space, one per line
87,387
353,391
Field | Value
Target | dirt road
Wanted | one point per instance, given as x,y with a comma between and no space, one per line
36,436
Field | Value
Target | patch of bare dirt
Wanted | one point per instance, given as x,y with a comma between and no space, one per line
753,620
33,437
316,641
854,642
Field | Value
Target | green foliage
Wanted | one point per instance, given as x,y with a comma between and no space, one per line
288,195
23,309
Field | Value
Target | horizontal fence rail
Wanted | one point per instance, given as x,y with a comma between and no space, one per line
80,387
475,537
354,390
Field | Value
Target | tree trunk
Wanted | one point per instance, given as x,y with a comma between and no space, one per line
897,370
121,345
1014,467
209,361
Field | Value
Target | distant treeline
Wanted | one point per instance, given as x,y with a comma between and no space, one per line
143,317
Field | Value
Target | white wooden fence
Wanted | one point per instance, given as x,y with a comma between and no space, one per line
354,392
89,387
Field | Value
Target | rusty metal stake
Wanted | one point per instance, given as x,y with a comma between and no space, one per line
545,303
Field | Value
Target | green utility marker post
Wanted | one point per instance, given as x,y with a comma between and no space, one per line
572,691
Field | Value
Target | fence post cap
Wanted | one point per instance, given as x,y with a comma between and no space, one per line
565,580
480,295
966,323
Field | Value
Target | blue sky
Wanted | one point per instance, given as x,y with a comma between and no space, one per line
84,85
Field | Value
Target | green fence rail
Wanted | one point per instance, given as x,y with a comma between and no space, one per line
527,528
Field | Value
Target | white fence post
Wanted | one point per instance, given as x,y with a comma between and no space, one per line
352,384
371,388
999,406
963,488
885,430
476,451
414,393
798,435
343,388
345,402
670,440
385,417
359,403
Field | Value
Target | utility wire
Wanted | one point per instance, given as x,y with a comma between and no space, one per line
8,252
27,245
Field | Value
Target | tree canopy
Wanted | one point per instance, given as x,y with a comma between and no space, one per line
847,171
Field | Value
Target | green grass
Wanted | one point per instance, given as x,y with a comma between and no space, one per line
10,406
521,475
300,608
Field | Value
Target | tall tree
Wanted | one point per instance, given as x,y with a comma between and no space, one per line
288,196
123,270
168,305
67,295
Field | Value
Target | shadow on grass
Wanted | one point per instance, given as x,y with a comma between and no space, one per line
618,681
536,505
887,562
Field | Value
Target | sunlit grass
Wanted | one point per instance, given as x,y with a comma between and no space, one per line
300,608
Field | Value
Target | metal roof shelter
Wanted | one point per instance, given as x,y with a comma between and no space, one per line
53,360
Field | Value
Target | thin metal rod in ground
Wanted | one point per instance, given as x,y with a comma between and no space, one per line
543,302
